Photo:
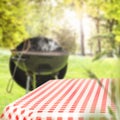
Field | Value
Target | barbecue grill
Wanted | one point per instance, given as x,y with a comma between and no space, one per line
37,60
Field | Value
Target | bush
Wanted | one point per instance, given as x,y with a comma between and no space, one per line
67,39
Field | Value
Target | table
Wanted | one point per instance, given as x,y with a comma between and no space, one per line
71,99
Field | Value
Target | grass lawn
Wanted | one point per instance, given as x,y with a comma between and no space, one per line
6,98
105,68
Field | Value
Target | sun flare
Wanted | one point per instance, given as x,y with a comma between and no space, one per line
74,22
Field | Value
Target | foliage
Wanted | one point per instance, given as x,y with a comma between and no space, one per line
43,17
47,19
12,29
109,21
106,13
40,17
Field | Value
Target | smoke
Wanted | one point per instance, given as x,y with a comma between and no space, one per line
40,44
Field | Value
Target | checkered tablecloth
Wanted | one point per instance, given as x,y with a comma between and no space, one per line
73,99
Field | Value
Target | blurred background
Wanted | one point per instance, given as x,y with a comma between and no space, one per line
84,27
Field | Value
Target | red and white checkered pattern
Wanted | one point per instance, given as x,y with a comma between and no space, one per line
78,99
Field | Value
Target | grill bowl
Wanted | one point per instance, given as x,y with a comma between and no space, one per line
43,63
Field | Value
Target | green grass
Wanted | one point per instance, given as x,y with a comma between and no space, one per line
105,68
17,92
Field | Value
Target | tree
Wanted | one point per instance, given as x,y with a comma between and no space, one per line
12,29
43,17
109,23
78,6
47,19
111,13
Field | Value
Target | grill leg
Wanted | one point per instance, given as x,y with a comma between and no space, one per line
34,81
56,76
28,83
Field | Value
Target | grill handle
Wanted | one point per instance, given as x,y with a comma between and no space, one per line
18,58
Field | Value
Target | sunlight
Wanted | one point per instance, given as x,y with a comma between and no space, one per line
87,26
74,21
71,18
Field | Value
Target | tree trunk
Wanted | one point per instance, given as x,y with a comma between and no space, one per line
82,47
98,32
